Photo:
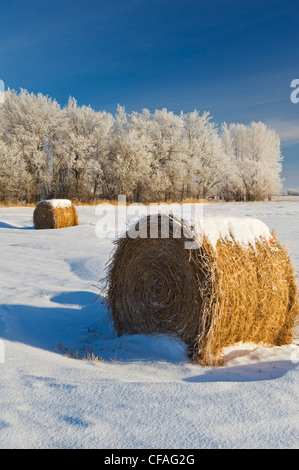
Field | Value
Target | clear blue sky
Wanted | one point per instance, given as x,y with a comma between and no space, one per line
235,59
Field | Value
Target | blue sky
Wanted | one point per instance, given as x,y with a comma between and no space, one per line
235,59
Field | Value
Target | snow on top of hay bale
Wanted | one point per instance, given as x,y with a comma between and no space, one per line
59,202
243,230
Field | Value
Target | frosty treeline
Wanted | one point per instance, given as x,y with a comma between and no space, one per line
75,152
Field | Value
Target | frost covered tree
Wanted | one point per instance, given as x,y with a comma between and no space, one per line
129,164
13,173
28,123
166,132
255,158
86,144
206,163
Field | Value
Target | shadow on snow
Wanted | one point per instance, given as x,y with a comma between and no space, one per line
77,326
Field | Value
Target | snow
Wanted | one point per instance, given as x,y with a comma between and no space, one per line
62,203
133,391
243,230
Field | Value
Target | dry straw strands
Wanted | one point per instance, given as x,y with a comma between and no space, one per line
55,213
209,297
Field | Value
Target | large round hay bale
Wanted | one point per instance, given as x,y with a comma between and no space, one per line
237,286
55,213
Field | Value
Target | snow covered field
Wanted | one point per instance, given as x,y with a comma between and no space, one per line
134,391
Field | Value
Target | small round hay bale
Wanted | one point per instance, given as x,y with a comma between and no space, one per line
216,295
55,213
